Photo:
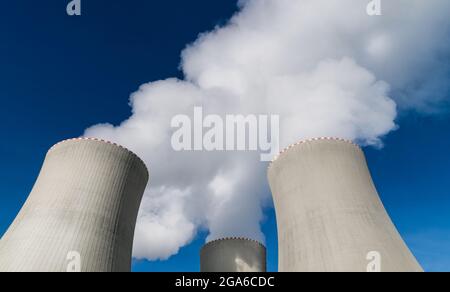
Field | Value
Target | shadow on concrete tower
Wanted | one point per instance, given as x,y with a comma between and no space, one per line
81,213
329,215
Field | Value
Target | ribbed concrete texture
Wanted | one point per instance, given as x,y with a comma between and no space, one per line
233,255
330,217
81,213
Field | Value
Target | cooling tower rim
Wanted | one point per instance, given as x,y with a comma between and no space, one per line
216,241
100,141
307,141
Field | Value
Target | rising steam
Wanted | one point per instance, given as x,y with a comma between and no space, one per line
325,66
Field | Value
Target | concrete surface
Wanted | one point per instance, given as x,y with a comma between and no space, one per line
233,255
329,215
85,202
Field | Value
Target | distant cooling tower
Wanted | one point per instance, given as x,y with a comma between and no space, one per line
233,255
81,213
329,215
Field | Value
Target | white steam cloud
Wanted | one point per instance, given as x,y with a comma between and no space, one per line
325,66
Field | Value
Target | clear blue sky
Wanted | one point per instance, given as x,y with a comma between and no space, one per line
60,75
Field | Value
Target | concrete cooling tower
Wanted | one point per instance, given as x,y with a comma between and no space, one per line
233,255
330,217
81,213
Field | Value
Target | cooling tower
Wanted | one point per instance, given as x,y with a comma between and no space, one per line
233,255
330,217
81,213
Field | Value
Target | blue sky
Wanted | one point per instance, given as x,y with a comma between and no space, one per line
60,75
